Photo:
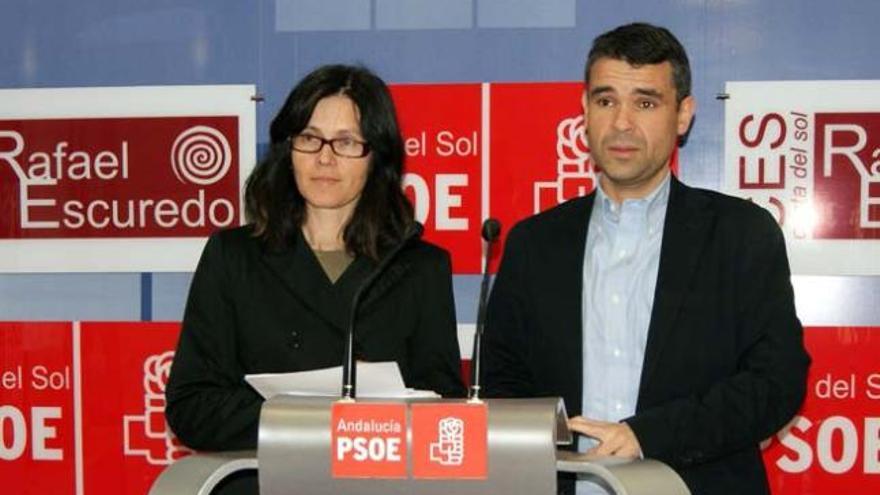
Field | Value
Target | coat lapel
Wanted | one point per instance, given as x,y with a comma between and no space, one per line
687,226
568,259
384,283
302,276
356,275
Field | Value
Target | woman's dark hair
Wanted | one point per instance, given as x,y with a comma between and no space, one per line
639,44
383,213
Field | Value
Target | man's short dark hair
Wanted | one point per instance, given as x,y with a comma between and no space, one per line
640,44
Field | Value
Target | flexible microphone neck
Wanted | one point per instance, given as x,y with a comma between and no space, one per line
491,231
349,368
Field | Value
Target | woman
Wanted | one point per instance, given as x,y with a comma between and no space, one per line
324,206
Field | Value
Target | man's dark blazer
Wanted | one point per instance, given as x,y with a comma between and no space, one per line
254,310
725,366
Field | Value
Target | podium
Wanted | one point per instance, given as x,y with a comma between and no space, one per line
294,457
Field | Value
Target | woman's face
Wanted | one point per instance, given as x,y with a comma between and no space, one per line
326,180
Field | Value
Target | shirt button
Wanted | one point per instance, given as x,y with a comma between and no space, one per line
616,352
615,298
618,406
622,253
294,334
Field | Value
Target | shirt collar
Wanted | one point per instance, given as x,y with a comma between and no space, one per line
653,204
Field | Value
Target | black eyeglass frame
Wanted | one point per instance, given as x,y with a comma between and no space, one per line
331,143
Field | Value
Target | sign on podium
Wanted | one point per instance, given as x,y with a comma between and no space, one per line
322,445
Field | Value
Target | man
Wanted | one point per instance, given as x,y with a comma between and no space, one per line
662,314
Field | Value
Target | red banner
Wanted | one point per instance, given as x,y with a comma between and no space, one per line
441,125
540,155
833,444
848,175
124,370
118,177
37,433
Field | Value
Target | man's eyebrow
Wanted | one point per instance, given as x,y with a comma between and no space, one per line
601,90
649,92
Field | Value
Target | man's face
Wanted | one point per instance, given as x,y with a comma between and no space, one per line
633,123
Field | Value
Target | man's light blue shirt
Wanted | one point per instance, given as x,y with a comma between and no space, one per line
621,259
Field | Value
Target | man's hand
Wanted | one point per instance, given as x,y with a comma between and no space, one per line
615,439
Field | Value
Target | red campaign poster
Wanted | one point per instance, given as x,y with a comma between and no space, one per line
441,125
37,436
847,175
118,177
833,444
538,152
126,442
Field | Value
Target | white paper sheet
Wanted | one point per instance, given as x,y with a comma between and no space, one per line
373,380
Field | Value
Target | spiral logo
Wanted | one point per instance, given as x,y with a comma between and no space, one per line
200,155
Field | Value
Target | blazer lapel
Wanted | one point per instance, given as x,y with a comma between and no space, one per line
302,276
384,283
568,259
687,226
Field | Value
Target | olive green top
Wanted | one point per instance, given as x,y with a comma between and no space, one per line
334,263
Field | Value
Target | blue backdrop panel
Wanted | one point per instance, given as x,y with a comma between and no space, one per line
274,43
69,296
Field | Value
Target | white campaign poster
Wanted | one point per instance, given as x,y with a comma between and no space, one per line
120,179
809,152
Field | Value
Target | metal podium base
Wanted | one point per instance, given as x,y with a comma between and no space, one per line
294,458
198,474
621,476
295,443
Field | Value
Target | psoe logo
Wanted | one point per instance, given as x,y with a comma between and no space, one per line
449,441
146,434
448,450
575,175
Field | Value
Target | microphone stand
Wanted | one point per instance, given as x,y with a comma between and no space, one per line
349,366
490,232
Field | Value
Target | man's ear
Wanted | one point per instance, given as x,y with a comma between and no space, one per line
686,110
585,108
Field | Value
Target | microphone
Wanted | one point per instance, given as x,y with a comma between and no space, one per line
491,231
349,370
